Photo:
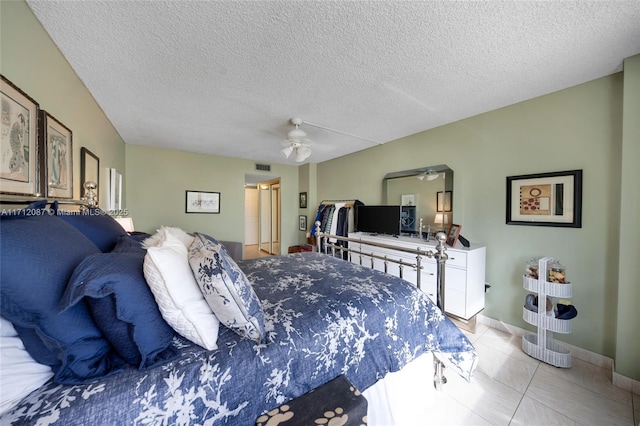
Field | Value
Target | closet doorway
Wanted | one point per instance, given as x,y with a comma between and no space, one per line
269,217
262,216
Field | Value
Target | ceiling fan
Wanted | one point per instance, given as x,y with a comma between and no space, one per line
297,142
430,175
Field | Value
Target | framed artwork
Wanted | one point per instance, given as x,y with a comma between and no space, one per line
20,171
545,199
444,201
302,223
408,200
89,171
58,149
303,200
202,202
453,234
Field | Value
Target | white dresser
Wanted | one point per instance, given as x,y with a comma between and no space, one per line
464,270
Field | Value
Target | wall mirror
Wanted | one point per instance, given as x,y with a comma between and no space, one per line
425,193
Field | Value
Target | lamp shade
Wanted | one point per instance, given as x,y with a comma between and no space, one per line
126,223
441,218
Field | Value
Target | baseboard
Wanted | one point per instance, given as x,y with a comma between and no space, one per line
618,380
625,383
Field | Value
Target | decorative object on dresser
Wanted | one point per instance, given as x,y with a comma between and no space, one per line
546,277
545,199
90,172
20,168
58,149
202,202
452,235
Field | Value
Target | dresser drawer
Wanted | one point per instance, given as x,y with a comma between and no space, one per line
457,259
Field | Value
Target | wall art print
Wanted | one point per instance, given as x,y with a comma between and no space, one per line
545,199
58,156
202,202
19,151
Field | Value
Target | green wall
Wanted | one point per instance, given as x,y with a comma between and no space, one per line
577,128
586,127
628,337
31,61
156,181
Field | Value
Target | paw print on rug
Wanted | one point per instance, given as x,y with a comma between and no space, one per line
331,418
275,416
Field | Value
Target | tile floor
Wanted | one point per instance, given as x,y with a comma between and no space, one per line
511,388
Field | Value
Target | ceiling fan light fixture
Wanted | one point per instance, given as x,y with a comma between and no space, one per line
298,142
286,151
296,135
302,153
432,176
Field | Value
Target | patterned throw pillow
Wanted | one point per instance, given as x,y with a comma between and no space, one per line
226,288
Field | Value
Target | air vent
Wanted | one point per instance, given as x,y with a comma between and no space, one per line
263,167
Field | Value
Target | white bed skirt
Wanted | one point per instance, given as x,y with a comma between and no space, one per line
403,398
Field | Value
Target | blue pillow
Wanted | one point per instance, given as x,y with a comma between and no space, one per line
96,225
130,244
37,256
122,306
37,208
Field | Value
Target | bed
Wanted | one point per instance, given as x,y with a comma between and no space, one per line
316,317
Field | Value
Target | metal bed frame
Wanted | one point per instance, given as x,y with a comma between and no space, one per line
327,244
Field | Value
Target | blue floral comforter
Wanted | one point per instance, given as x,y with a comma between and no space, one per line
323,316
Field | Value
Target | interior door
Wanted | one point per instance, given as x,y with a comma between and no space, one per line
269,208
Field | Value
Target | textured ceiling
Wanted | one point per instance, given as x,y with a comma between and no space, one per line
225,77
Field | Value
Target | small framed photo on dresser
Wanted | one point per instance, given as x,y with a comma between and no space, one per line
452,236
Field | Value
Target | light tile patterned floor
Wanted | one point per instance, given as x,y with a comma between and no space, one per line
511,388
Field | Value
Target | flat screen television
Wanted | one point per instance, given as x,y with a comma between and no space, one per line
378,219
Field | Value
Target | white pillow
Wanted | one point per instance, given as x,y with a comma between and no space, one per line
19,373
161,234
167,271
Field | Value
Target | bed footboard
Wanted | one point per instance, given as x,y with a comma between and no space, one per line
332,244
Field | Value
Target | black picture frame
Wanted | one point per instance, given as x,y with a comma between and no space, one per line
545,199
202,202
302,223
444,201
303,200
89,171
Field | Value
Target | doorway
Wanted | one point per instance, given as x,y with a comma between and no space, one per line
269,222
262,216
